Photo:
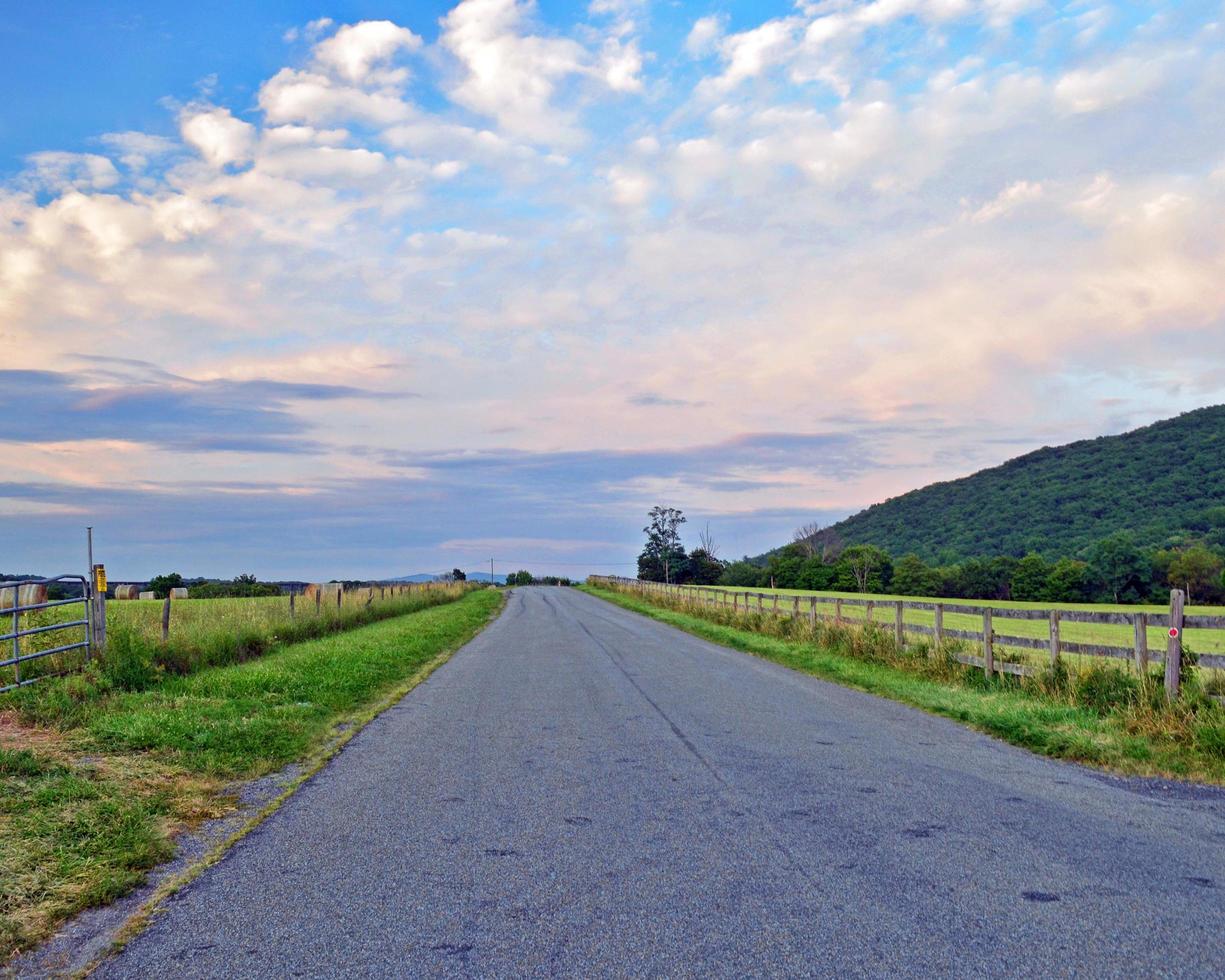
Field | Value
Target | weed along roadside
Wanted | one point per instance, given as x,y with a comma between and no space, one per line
99,770
1097,714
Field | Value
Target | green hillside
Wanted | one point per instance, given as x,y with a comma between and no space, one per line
1163,483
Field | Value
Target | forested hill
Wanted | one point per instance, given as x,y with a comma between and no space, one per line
1163,483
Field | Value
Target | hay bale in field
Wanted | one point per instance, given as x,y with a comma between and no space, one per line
127,591
178,593
147,595
23,595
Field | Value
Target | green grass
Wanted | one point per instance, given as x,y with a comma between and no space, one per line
210,632
95,780
1142,737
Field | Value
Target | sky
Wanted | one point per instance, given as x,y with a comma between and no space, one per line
368,289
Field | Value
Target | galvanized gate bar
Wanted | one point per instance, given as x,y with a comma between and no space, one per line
17,633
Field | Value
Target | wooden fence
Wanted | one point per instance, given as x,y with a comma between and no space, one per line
989,637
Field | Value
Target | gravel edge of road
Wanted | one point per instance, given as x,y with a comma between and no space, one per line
257,803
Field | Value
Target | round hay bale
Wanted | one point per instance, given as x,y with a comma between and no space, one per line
178,593
127,591
147,595
21,595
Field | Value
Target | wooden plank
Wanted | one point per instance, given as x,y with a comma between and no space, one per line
988,648
1173,647
1141,642
1204,622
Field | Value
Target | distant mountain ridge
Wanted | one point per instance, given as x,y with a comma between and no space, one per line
1163,483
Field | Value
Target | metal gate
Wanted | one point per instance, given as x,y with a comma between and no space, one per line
15,601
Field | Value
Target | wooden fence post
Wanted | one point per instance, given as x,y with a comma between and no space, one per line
812,612
318,600
1141,628
838,611
1173,648
291,605
774,609
938,631
988,644
166,621
795,607
899,631
868,610
1054,635
339,593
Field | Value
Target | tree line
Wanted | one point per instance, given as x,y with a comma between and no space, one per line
1116,569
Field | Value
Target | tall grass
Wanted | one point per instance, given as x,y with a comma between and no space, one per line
211,632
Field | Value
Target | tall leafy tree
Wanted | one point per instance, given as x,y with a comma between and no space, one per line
663,549
1120,567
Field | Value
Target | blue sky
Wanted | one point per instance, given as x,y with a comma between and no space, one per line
366,289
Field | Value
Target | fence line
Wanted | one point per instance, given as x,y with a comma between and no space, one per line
1175,622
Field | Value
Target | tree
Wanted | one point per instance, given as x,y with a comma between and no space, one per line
1067,582
457,575
1194,570
520,577
865,563
706,542
1029,581
912,577
663,547
703,567
805,537
1120,567
741,573
162,584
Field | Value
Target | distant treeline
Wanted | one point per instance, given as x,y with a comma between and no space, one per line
523,577
1115,569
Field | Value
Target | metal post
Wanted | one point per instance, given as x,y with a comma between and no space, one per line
16,638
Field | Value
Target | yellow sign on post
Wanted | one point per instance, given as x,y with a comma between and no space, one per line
100,578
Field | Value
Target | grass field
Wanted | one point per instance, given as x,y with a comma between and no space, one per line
1197,640
209,632
95,780
1121,724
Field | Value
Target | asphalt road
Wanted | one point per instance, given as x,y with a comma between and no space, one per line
583,792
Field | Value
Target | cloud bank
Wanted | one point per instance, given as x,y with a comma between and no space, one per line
500,278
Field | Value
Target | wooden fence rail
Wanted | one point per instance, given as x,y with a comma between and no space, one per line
989,637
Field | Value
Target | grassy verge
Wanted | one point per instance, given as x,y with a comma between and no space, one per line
211,632
1125,730
95,780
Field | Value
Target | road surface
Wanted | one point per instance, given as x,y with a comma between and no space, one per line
584,792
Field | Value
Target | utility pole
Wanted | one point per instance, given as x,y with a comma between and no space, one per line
491,571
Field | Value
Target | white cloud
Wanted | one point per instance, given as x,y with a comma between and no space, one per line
508,74
217,135
354,50
1008,200
84,171
704,35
